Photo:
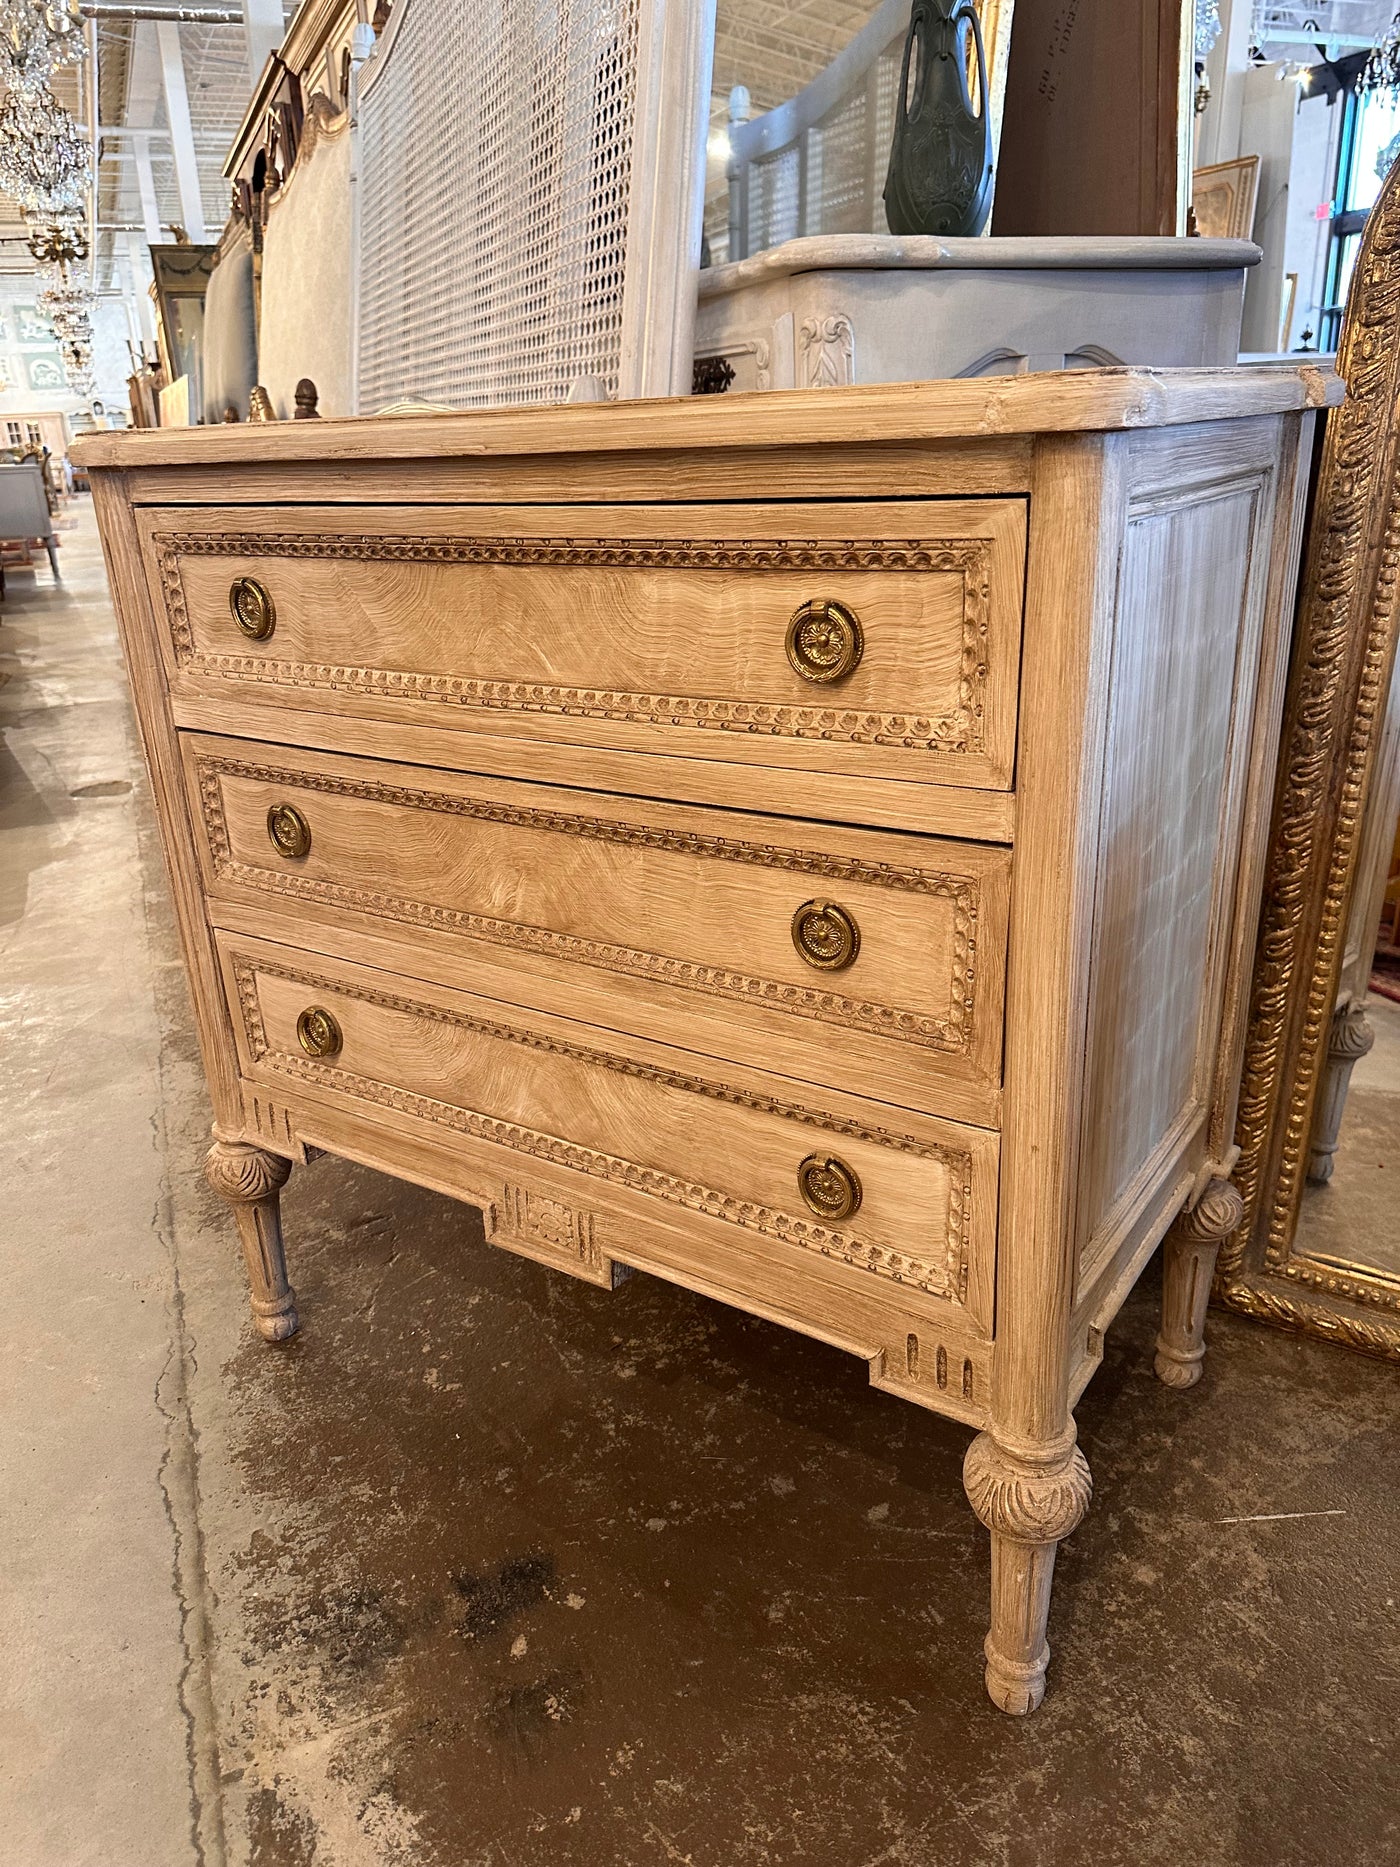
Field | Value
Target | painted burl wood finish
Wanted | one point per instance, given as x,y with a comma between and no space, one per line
803,850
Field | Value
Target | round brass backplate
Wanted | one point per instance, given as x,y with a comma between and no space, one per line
318,1033
288,831
824,641
252,608
828,1186
825,935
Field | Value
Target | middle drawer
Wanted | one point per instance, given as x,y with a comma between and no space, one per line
864,959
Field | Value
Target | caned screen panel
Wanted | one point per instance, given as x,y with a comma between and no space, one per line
500,141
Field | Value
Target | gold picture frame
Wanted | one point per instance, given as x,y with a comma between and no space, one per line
1223,198
1339,680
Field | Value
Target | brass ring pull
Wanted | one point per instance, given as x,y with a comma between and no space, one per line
824,641
825,935
289,832
252,608
318,1033
828,1186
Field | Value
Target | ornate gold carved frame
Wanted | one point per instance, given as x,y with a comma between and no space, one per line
1343,654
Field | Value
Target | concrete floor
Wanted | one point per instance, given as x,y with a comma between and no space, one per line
493,1569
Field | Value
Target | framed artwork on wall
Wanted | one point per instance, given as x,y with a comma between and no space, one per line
1223,196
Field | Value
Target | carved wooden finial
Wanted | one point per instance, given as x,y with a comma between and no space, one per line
306,400
260,405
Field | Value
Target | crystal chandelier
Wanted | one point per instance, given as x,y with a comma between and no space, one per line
57,240
44,162
69,309
46,165
1207,27
35,39
1382,69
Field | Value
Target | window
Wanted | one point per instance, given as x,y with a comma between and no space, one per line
14,433
36,434
1369,143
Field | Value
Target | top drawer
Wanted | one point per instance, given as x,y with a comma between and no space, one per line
878,639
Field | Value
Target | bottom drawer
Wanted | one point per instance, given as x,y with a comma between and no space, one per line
914,1204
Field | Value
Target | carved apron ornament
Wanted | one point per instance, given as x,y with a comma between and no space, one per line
940,176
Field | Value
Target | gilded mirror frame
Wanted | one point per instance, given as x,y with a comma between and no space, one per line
1339,681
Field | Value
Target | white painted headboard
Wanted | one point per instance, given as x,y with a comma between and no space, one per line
529,192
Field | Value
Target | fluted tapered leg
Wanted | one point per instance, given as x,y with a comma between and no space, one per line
1351,1037
1188,1265
251,1180
1029,1500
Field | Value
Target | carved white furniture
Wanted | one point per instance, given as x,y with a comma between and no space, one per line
866,308
798,846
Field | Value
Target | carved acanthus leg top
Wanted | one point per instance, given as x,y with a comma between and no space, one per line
1028,1502
251,1179
1352,1035
1188,1266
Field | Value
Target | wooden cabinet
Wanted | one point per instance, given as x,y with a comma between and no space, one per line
803,847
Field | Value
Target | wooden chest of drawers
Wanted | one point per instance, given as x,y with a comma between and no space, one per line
802,846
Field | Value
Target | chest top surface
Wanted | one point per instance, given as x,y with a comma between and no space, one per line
1008,407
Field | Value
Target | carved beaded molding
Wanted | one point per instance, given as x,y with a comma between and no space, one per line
958,732
946,1280
953,1033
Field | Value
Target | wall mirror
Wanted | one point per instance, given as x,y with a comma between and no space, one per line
1319,1116
802,116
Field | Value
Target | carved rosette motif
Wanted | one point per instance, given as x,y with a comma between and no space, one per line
1338,688
961,731
242,1173
549,1222
945,1279
952,1033
1023,1498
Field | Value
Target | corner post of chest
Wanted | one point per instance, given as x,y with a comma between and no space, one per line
141,631
1025,1476
248,1176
